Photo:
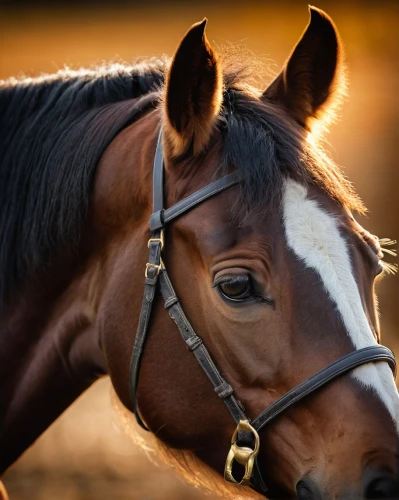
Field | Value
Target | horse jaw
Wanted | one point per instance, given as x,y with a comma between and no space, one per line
184,462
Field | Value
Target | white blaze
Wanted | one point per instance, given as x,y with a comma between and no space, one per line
312,234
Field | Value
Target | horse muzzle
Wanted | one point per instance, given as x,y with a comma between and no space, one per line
376,485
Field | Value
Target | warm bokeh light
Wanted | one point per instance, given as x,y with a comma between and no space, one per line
86,455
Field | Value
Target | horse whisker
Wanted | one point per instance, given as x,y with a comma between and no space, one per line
390,252
387,242
389,268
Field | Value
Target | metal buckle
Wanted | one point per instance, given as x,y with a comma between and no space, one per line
242,454
158,268
160,240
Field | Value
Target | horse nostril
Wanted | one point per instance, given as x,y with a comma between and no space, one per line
382,488
306,490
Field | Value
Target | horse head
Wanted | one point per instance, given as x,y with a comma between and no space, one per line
274,275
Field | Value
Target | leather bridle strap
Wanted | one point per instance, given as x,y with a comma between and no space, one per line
323,377
153,268
150,283
155,272
155,246
159,219
196,346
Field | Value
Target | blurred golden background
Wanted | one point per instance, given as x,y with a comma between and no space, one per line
85,455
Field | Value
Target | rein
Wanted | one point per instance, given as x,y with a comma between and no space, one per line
245,443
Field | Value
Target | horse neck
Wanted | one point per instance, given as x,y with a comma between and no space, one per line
48,356
50,342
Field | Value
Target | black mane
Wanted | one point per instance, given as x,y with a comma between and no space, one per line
53,130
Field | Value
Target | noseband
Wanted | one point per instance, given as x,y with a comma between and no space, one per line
245,442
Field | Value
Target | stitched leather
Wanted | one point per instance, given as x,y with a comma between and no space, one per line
161,217
195,199
171,301
157,178
224,390
150,284
341,366
195,344
157,220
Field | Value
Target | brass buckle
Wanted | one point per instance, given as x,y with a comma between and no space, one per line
160,240
161,266
242,454
154,266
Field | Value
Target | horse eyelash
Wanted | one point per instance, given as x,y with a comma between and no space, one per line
388,267
227,279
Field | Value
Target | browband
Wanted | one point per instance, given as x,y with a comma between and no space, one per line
159,219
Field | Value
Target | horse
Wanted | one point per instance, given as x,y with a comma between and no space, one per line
252,222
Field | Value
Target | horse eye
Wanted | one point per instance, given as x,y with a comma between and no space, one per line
238,288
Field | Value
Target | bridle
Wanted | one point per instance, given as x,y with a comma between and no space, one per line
245,442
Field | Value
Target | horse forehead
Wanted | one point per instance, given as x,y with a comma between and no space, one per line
313,235
247,240
217,227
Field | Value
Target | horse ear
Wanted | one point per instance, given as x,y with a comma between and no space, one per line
193,92
313,76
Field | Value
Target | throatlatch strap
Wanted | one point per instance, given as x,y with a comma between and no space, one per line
150,284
